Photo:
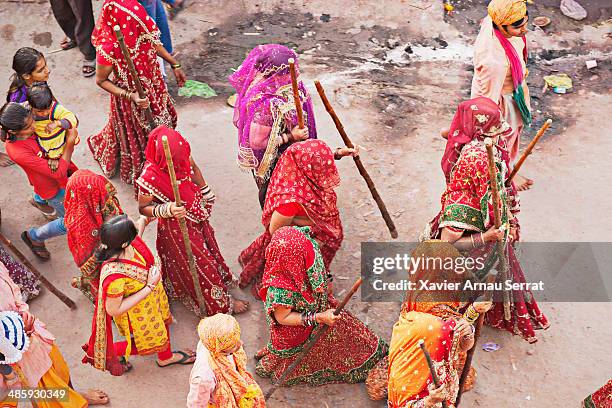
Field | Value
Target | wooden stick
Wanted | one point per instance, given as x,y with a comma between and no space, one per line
183,227
296,93
501,253
52,288
491,278
528,151
320,333
379,202
141,92
432,369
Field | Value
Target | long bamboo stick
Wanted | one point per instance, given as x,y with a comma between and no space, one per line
320,333
347,141
134,74
432,369
296,93
52,288
500,245
528,151
477,329
183,227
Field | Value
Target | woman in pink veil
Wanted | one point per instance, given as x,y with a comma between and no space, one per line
265,113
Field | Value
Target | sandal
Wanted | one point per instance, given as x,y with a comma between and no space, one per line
47,211
183,361
89,68
40,250
128,366
67,44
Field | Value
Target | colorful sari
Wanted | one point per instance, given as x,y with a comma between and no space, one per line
349,349
500,68
213,274
467,203
265,109
306,174
235,386
90,199
123,140
602,398
432,317
22,276
146,322
42,364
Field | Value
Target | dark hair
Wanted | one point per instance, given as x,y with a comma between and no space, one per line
24,63
40,95
115,235
13,117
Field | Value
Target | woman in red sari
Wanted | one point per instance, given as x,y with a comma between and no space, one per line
295,288
301,193
122,142
155,198
131,294
466,218
90,200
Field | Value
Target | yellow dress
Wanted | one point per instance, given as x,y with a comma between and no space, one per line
57,377
52,143
145,322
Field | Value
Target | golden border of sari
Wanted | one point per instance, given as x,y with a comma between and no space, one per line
131,271
278,113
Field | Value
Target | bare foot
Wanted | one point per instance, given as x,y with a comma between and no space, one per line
444,132
522,183
179,357
5,160
261,353
96,397
240,306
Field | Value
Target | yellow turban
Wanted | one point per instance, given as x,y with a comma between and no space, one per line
505,12
219,333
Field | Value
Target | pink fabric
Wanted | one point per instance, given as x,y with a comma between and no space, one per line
476,118
491,68
257,82
202,381
36,361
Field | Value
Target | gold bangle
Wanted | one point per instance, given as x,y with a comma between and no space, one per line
176,66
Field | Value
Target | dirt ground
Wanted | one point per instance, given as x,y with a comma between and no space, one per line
394,71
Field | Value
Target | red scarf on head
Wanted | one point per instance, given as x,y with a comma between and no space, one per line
89,198
287,267
140,33
155,178
306,174
475,119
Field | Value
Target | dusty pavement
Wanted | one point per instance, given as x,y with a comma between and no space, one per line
394,71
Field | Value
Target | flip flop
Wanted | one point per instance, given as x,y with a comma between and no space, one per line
128,366
67,44
39,250
89,68
182,361
50,216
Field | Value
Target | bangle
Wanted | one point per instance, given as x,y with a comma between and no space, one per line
151,286
337,153
471,315
176,66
